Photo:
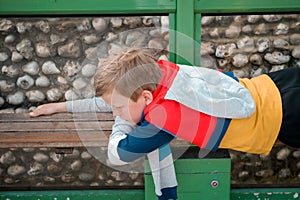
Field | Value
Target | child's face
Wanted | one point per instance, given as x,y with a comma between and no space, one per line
125,108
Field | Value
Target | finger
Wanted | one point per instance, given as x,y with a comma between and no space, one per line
36,112
33,114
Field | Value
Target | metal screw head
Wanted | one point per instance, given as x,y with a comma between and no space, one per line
214,183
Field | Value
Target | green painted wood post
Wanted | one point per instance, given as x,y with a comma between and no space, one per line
204,179
185,35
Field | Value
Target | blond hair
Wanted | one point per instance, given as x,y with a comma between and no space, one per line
128,72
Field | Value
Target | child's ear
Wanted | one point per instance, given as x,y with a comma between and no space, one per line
147,95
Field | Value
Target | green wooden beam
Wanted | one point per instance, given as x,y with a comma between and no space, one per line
235,194
185,32
73,195
172,37
265,193
195,177
197,38
246,6
40,7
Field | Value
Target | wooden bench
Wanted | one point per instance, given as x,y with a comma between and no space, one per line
59,130
62,130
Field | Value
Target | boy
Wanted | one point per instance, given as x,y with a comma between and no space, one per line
203,106
162,100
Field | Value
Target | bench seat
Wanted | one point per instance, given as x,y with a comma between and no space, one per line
58,130
62,130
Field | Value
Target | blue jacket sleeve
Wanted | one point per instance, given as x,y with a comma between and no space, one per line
141,140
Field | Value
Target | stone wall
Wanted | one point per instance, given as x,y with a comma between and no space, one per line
53,59
68,168
250,45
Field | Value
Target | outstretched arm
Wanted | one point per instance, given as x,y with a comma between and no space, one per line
48,109
95,104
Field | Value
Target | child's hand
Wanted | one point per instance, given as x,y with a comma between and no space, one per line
48,109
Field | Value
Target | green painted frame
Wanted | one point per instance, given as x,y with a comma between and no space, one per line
246,6
185,38
59,7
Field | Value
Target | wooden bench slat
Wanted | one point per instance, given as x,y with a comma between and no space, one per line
12,117
60,139
54,126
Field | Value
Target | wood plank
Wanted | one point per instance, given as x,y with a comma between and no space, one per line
55,126
13,117
53,144
61,140
57,139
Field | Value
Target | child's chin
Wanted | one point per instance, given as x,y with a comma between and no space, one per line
132,122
